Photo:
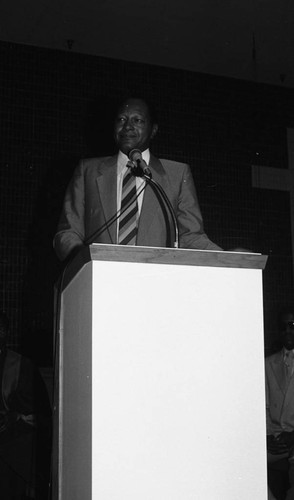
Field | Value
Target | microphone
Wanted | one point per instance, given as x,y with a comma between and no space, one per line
136,158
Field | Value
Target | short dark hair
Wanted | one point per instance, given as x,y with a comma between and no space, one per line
152,108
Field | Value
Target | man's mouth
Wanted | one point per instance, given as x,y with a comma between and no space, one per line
127,136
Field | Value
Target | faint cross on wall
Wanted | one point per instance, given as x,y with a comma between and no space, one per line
279,179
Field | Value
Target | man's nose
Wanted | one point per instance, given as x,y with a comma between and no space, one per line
128,124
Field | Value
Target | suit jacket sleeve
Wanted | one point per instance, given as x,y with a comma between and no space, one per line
269,423
71,229
279,396
189,216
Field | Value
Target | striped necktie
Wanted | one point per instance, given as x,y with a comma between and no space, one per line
127,232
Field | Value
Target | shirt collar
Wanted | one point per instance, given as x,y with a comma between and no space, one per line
287,352
122,160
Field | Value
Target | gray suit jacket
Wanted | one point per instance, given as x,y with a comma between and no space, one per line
91,201
279,395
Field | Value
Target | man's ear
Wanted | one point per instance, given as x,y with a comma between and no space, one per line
154,131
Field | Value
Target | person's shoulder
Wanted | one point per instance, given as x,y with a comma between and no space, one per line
91,166
13,355
18,357
274,357
96,161
18,364
176,170
172,164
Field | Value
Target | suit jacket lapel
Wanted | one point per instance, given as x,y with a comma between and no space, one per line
289,393
107,187
149,206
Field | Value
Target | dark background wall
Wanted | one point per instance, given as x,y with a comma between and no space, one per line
55,108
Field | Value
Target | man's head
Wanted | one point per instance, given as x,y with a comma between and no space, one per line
135,125
4,329
287,329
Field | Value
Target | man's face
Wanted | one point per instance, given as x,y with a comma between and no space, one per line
133,128
287,330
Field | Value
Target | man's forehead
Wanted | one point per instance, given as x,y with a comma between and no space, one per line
134,105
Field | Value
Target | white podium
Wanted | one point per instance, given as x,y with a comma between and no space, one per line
160,387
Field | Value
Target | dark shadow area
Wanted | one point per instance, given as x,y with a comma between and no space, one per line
43,268
97,127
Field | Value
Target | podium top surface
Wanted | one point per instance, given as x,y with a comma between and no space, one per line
157,255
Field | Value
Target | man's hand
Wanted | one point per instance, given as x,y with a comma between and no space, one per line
288,439
283,443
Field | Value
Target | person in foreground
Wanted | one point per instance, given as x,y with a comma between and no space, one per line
96,194
279,369
25,425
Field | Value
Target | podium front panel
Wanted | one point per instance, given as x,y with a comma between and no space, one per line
163,383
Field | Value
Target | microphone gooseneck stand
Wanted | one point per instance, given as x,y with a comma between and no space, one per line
141,169
159,188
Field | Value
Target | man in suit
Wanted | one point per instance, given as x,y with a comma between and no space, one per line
94,195
279,372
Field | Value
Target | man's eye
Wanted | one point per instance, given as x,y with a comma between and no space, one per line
139,121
